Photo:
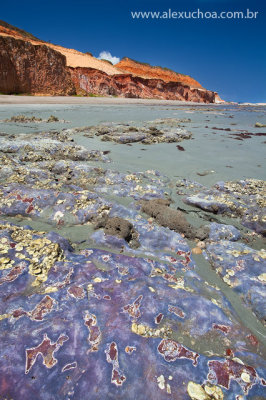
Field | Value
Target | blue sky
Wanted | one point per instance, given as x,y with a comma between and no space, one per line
228,56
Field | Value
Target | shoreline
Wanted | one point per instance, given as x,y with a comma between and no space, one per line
14,99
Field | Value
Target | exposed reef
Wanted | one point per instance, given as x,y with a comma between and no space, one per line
101,294
166,130
244,199
23,118
51,146
66,315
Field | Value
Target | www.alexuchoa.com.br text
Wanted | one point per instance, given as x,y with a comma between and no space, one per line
196,14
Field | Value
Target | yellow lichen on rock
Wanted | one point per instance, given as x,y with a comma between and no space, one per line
147,331
262,277
214,391
180,285
196,391
4,316
41,253
49,289
245,377
262,253
206,392
5,263
40,267
161,382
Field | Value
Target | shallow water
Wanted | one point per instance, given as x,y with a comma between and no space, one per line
210,151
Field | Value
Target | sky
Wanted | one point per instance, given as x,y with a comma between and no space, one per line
224,55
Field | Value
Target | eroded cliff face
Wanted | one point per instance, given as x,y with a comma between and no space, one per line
148,71
88,80
35,69
29,65
74,58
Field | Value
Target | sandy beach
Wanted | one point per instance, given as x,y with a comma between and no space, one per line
13,99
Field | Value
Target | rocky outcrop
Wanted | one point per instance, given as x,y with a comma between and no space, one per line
34,69
162,130
127,65
88,80
173,219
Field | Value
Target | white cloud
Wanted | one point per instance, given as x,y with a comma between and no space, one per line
106,55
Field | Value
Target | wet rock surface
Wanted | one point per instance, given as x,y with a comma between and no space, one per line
115,309
243,269
244,199
240,266
50,146
122,310
166,130
23,118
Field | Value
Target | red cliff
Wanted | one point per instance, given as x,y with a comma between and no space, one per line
35,69
148,71
88,80
29,65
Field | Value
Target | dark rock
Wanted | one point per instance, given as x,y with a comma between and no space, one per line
181,148
202,232
167,130
155,131
52,118
172,219
121,228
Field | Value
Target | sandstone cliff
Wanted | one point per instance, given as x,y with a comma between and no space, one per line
36,69
144,70
74,58
88,80
29,65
